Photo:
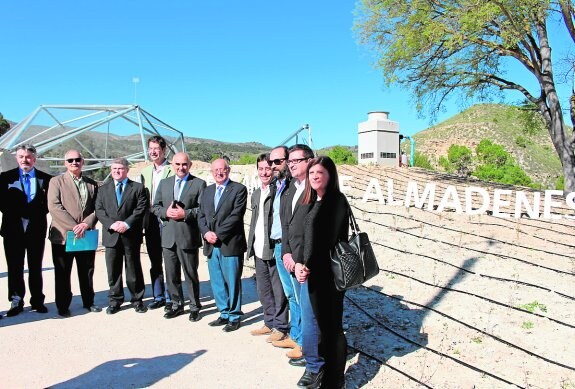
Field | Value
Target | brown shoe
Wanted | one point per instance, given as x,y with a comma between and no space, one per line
285,343
261,331
295,353
276,336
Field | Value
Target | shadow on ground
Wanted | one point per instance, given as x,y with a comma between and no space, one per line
131,372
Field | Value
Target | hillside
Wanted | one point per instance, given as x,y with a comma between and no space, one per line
515,129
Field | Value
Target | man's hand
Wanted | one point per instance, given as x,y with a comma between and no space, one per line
119,227
211,237
301,273
289,263
177,213
80,229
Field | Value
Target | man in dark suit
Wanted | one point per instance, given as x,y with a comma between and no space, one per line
71,201
269,285
176,203
293,214
120,207
221,222
23,205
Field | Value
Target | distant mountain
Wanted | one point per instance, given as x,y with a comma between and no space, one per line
521,132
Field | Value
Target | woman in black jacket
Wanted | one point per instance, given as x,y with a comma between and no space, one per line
324,345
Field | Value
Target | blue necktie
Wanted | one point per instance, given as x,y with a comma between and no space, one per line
119,192
27,187
218,196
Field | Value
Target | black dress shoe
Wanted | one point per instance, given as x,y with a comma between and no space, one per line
168,306
218,322
139,307
194,316
231,326
16,309
156,304
174,312
64,312
94,308
112,309
41,308
299,362
310,380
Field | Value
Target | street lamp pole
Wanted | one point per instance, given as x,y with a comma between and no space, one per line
135,80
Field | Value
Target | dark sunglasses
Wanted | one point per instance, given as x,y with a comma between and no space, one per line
77,160
278,161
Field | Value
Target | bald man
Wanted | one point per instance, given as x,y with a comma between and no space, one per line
176,204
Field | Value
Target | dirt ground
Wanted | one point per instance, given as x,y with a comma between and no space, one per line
461,302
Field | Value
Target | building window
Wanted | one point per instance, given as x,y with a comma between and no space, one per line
366,155
388,155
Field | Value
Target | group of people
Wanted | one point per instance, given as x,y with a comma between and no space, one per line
297,215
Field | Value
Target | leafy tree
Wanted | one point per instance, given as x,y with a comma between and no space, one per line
340,155
490,153
460,158
444,47
497,165
4,125
506,174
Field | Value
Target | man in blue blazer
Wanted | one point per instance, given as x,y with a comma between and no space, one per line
120,207
24,207
221,222
176,203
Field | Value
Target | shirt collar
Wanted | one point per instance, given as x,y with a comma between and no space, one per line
226,182
184,178
161,167
31,173
75,178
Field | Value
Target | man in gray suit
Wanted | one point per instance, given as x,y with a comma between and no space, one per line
221,222
176,204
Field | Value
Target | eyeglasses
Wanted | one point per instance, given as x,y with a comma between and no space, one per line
181,164
278,161
296,161
77,160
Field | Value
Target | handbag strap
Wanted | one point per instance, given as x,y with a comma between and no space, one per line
352,222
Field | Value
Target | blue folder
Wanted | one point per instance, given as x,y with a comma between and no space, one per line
87,243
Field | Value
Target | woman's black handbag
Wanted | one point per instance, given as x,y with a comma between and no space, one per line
353,262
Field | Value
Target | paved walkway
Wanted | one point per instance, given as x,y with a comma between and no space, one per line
131,350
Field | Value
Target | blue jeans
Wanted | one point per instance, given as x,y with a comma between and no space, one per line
226,281
310,333
292,291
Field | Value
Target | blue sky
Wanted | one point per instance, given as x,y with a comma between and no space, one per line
234,71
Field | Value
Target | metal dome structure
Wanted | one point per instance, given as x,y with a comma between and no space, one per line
50,126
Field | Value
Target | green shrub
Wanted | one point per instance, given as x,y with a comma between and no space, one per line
444,163
422,161
521,141
560,183
340,155
490,153
460,159
246,159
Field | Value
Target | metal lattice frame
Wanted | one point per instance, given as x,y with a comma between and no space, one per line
296,135
67,125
